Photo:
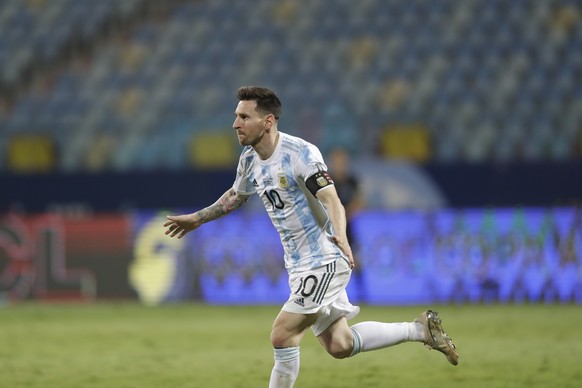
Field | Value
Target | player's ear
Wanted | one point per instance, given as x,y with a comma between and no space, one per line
269,121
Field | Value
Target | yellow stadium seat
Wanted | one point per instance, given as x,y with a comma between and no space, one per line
211,149
31,153
406,141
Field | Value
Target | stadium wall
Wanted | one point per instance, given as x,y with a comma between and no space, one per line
408,257
452,185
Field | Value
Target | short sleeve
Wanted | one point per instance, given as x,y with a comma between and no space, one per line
310,161
243,182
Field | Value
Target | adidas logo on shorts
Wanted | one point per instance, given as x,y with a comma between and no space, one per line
300,302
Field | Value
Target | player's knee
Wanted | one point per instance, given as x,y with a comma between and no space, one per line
338,340
279,339
340,347
276,340
339,350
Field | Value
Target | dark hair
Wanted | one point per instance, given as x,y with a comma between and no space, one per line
267,100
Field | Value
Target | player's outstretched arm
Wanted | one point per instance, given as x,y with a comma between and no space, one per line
337,215
178,226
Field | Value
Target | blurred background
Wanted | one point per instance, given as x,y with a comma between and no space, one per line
453,128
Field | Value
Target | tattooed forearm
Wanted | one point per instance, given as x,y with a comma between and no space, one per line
231,200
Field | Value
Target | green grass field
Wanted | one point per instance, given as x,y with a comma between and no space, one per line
191,345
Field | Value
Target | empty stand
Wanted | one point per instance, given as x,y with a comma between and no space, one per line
488,80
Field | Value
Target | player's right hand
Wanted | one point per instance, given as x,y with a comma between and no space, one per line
178,226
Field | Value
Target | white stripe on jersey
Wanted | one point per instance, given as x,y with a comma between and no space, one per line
300,219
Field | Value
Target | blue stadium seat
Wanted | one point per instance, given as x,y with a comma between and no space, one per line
505,57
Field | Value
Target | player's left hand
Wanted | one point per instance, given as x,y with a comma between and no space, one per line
343,244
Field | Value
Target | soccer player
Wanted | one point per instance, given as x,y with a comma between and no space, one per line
291,178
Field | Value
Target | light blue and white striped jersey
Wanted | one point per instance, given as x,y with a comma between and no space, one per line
300,219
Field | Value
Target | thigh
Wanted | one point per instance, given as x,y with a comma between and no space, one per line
337,335
289,328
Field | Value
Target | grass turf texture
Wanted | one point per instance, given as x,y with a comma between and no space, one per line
192,345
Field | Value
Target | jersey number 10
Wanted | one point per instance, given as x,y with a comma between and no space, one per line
275,199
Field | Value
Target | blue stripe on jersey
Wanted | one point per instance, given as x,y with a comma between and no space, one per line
250,187
248,162
286,234
306,219
265,171
306,156
310,225
289,244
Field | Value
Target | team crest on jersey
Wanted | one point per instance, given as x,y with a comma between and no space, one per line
283,182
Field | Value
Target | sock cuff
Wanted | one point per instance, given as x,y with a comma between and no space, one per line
286,354
357,342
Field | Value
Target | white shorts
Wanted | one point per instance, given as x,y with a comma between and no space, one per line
323,292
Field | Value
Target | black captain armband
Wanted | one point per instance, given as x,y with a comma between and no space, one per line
318,181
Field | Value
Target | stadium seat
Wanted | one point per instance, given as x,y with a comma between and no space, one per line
390,62
31,153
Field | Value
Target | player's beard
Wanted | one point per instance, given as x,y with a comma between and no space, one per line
253,141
